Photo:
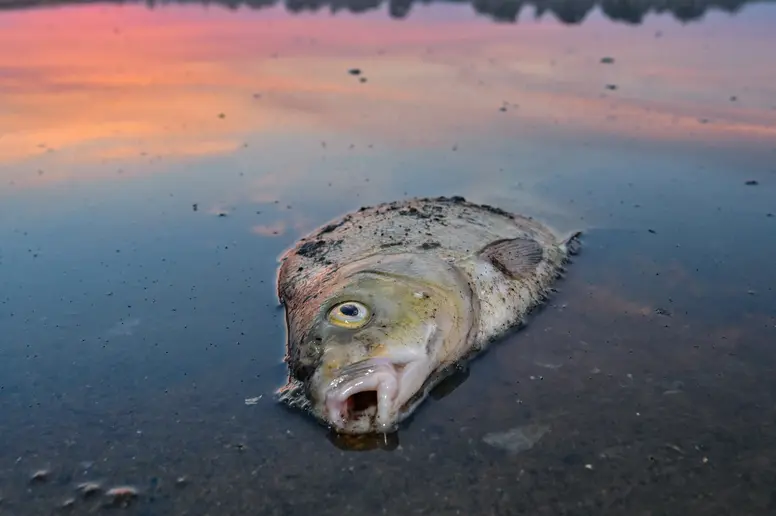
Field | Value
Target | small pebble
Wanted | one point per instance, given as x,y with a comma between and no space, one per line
88,489
40,475
121,495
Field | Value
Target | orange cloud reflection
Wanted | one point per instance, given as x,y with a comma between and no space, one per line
106,83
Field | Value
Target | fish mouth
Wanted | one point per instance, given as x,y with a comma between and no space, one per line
362,397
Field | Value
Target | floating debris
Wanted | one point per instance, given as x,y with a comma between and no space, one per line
517,439
252,401
548,365
68,504
354,71
751,182
675,448
611,87
607,60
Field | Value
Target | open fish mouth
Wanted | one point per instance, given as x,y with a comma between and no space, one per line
363,395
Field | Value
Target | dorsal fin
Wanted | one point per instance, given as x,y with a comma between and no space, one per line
515,257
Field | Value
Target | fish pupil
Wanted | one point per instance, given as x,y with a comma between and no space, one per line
349,310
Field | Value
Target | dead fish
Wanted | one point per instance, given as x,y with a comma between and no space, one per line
384,303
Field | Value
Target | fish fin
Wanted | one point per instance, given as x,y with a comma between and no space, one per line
293,395
514,257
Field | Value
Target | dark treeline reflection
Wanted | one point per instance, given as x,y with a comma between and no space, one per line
567,11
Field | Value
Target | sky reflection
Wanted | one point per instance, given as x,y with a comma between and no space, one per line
100,90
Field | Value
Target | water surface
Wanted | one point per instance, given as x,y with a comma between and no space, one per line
156,159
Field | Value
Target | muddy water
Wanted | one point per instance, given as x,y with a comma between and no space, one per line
154,161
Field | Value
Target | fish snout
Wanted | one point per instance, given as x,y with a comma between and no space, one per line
361,397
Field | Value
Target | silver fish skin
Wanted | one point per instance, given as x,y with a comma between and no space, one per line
382,304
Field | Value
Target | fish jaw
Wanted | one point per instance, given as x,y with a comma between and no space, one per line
370,396
364,402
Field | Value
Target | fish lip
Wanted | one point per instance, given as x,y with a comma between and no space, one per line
374,374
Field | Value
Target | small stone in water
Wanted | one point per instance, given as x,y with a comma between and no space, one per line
88,489
121,495
40,475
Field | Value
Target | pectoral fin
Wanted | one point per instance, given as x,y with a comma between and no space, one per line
514,257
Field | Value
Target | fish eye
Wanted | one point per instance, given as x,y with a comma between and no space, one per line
350,314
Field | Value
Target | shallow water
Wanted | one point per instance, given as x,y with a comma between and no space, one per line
155,161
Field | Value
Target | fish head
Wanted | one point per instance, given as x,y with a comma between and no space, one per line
379,330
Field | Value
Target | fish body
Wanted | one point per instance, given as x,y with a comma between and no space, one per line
382,304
